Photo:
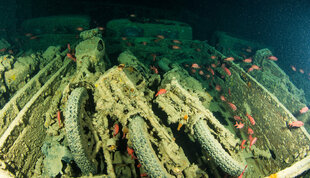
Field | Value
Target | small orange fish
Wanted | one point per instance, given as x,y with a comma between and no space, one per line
211,70
227,71
296,124
153,68
293,68
250,118
161,91
177,41
185,117
303,110
243,171
273,58
250,137
250,131
59,118
248,60
213,57
143,175
160,37
101,28
255,67
223,98
79,29
232,106
301,71
175,47
179,126
115,130
253,141
130,151
195,66
238,118
239,125
229,59
242,144
3,50
70,56
218,87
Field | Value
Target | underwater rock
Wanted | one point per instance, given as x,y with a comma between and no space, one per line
54,153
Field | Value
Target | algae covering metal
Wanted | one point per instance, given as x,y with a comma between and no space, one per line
287,146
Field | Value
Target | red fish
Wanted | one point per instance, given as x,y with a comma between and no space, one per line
175,47
177,41
273,58
248,60
59,118
213,57
161,91
242,144
227,71
243,172
293,68
253,141
255,67
210,70
251,119
213,65
70,56
195,66
239,125
250,131
115,130
143,175
238,118
153,68
232,106
130,151
223,98
79,29
229,59
250,137
304,110
160,37
296,124
218,87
